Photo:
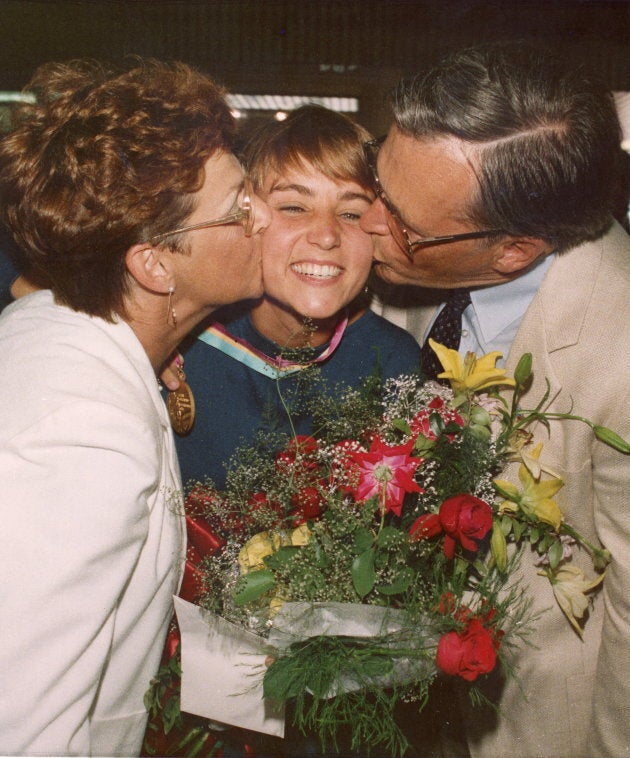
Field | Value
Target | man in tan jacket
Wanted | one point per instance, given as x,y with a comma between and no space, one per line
498,177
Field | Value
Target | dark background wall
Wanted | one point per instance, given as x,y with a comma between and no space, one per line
355,48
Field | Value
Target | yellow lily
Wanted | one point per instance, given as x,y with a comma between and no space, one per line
472,374
531,459
535,498
570,586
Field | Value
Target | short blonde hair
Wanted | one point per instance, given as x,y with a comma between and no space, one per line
329,141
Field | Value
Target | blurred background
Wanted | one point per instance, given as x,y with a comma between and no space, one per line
273,55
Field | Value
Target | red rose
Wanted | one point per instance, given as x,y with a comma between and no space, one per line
462,518
307,504
465,519
302,446
426,526
468,653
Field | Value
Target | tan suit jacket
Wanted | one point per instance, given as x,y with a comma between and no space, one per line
572,696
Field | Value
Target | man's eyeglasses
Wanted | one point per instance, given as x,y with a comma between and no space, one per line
394,223
244,215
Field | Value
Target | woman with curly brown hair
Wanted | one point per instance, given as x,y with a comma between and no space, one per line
130,209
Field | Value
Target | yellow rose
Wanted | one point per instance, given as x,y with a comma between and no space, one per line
252,554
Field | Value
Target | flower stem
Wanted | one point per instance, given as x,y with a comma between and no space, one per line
602,554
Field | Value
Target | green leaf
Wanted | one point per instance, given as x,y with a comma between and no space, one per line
283,679
401,425
363,540
422,445
506,524
555,554
534,535
253,585
518,529
281,557
363,574
389,536
400,584
460,567
321,559
436,424
377,666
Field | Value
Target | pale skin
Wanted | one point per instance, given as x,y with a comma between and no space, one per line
316,258
430,182
220,267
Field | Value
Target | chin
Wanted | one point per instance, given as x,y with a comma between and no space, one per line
392,276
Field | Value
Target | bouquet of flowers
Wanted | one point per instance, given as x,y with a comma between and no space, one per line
373,556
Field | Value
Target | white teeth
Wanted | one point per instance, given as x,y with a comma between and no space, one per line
314,269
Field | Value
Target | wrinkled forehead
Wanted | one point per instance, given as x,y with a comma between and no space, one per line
426,175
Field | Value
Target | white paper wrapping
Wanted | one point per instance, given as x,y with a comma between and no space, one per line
223,665
222,671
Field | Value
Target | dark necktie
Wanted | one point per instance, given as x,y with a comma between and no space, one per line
447,329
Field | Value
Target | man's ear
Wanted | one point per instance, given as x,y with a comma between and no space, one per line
150,267
515,254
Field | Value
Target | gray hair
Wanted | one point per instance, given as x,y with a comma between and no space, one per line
545,137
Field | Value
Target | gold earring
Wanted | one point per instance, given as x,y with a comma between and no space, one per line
171,316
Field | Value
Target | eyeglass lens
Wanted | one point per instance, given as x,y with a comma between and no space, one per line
394,224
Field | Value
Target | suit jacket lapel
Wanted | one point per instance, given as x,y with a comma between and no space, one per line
556,316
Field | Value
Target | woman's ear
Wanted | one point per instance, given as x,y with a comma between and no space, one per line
515,254
150,267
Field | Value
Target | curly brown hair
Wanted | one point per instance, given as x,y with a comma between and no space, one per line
104,160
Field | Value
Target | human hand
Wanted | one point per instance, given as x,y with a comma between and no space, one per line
22,286
173,373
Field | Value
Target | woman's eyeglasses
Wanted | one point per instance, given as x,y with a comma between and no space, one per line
244,215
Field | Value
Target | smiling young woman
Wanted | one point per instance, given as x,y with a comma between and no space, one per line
311,171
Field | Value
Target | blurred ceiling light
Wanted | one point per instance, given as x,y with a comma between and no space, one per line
280,115
622,104
16,97
290,102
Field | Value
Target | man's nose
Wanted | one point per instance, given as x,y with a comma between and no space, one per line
374,220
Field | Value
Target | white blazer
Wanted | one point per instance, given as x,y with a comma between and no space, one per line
91,535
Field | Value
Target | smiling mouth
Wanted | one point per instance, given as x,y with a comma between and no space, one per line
315,270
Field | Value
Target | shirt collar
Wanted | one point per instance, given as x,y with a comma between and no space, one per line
498,306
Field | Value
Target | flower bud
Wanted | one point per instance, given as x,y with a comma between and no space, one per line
523,369
479,432
480,416
498,546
